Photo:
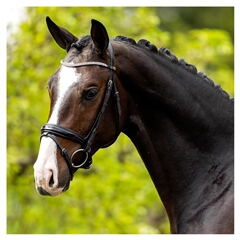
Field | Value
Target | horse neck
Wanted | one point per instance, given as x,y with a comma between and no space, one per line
182,129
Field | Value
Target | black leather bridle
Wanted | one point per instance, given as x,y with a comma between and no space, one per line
54,130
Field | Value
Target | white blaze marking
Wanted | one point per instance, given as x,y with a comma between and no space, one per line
67,77
46,163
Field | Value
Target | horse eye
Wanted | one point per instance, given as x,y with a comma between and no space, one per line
91,94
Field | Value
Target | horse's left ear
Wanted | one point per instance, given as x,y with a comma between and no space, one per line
99,36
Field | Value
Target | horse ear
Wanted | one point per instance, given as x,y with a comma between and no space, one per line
99,36
62,36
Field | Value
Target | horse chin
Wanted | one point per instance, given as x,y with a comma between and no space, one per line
66,187
64,183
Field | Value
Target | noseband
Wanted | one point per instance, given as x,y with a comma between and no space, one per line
54,130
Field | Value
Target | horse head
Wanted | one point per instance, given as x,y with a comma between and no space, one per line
82,119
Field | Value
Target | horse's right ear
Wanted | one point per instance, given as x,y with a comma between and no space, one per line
62,36
99,36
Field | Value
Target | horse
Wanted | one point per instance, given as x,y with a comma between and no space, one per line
180,121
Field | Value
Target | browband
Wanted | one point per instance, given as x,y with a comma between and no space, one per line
75,65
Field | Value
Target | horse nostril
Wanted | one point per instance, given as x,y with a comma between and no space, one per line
51,182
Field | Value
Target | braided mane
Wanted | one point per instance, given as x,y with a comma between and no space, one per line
169,55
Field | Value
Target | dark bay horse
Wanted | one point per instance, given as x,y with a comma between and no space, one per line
181,123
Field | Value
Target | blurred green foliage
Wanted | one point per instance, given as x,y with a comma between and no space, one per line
117,194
